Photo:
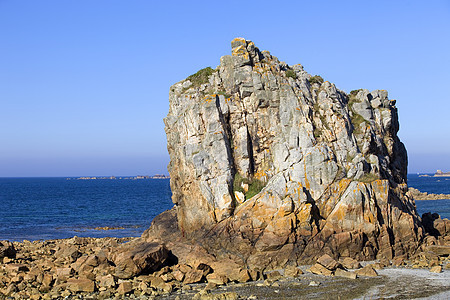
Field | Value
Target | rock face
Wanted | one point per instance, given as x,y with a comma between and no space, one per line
272,165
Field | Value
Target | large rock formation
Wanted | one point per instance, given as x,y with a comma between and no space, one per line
272,165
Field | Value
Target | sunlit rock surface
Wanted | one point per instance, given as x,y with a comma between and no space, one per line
272,165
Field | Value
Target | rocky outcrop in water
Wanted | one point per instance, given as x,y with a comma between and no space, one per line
271,165
418,195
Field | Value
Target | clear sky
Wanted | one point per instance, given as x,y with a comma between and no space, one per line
84,84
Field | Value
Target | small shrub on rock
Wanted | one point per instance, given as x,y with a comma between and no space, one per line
315,79
291,74
201,76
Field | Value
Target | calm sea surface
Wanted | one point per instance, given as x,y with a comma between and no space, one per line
435,185
53,208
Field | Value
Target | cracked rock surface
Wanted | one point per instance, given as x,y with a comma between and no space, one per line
272,165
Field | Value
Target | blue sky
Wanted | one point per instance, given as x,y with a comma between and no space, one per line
84,84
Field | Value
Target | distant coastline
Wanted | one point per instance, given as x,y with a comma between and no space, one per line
157,176
439,173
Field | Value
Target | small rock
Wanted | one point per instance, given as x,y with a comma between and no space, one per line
205,268
349,263
398,261
210,286
314,283
292,271
343,273
178,275
107,281
367,271
274,275
320,270
125,287
156,282
7,260
328,262
384,262
80,285
12,288
216,278
16,268
377,266
244,276
436,269
138,257
193,276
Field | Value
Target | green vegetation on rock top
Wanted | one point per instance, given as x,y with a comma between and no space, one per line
201,76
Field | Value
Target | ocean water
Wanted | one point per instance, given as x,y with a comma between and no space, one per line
435,185
54,208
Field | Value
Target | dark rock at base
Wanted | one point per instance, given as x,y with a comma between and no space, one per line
7,250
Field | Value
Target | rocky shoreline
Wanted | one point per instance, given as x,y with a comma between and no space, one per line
418,195
113,268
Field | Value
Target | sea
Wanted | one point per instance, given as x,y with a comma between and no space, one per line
56,208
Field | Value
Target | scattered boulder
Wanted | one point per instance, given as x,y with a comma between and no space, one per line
345,274
193,276
244,276
16,268
367,271
292,271
80,285
139,257
125,287
328,262
349,263
320,270
273,275
68,252
178,275
216,278
436,269
204,268
398,261
107,281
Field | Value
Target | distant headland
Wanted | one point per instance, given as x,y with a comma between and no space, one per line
157,176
